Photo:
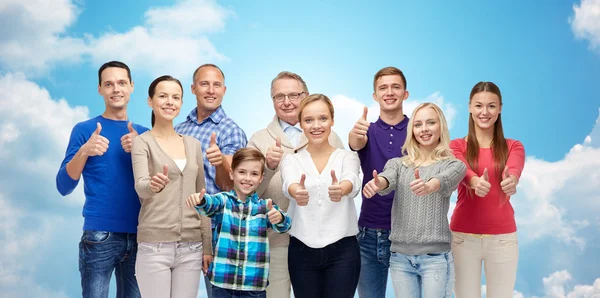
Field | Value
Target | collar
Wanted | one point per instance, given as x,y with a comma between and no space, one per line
253,197
284,125
215,117
400,126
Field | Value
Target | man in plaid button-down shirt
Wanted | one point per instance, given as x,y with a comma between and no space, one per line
218,134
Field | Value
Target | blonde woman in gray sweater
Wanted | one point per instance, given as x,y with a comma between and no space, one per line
174,242
421,262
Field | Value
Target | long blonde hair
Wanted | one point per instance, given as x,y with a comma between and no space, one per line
411,149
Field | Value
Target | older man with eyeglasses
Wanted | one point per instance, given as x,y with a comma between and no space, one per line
282,136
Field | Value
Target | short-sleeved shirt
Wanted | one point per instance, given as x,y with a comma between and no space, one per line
384,143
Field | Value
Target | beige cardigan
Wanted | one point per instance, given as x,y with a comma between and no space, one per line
272,184
164,216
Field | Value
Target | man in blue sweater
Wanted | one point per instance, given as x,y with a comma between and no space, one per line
99,149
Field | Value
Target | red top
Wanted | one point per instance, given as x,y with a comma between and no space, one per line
492,214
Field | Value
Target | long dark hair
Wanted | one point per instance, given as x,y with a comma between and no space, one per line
499,146
152,88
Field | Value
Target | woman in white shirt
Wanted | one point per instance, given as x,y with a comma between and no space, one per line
321,182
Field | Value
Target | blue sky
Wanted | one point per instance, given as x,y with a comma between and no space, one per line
544,56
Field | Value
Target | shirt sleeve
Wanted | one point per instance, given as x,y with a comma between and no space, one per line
350,171
391,172
459,150
284,225
213,205
516,159
451,174
141,173
232,142
288,173
64,183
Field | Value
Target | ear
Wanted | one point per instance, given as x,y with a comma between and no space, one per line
262,176
406,94
99,87
224,89
132,87
375,97
231,174
193,88
150,101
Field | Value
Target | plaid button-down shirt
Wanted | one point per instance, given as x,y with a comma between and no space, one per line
241,260
230,138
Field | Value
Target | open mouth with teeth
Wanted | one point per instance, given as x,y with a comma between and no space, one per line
317,133
210,99
390,100
246,185
168,110
426,137
485,119
116,98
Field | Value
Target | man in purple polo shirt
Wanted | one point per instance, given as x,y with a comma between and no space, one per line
375,144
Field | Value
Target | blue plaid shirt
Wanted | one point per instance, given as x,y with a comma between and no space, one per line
241,259
230,138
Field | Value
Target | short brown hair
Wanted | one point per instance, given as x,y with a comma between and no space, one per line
248,154
289,75
312,98
388,71
206,65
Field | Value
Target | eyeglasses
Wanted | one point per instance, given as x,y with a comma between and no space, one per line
279,97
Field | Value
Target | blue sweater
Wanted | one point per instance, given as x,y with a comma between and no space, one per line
111,203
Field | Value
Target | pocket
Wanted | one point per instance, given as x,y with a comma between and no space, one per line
361,235
95,237
195,246
508,239
458,238
148,247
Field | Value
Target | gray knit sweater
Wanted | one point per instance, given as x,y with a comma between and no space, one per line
420,224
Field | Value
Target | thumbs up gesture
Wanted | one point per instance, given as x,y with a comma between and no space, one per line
195,199
373,186
96,145
508,184
418,186
159,181
301,194
127,139
483,185
335,189
274,215
213,153
274,154
361,126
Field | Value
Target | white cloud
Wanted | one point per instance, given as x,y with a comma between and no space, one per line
32,34
585,22
554,287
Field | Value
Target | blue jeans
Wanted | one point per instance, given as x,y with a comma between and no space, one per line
101,253
374,262
430,274
218,292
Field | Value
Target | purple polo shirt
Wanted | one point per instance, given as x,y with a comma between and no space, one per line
384,143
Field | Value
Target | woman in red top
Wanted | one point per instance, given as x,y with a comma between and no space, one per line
483,222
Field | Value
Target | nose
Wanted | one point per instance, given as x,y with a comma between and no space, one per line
211,89
286,100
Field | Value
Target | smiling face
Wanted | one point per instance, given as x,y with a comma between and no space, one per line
426,128
209,88
292,92
485,108
390,92
166,101
246,176
115,87
316,121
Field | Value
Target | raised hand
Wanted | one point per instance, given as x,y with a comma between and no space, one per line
508,184
213,153
274,154
418,186
274,215
372,187
361,126
96,145
127,139
335,189
195,199
301,194
483,185
160,180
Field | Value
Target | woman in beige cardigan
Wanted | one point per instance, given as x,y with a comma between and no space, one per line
174,242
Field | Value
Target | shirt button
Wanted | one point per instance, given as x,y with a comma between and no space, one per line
181,191
391,135
390,142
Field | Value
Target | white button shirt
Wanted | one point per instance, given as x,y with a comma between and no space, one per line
322,222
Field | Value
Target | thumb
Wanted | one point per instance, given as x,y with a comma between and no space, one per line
269,204
505,173
485,175
302,178
202,193
166,170
365,112
375,177
213,139
334,179
278,142
130,127
98,128
417,175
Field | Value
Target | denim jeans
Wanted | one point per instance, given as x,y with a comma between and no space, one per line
374,262
101,253
430,274
218,292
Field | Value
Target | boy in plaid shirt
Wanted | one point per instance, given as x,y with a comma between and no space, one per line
241,263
